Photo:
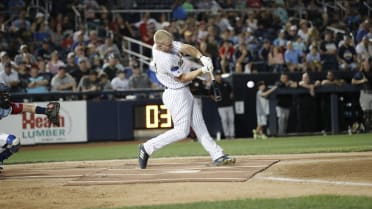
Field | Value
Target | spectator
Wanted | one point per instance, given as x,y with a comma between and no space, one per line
202,32
41,65
21,21
313,61
111,69
93,38
281,41
292,58
263,54
108,47
71,66
225,106
226,54
265,50
10,77
121,27
251,21
92,52
243,59
306,83
328,52
37,83
332,80
23,76
67,40
120,82
188,37
24,56
63,81
79,53
42,32
251,40
362,31
54,63
104,82
291,34
44,51
5,60
90,83
299,45
284,103
304,30
57,35
82,70
347,55
139,80
276,59
262,109
212,49
362,78
80,40
280,13
364,49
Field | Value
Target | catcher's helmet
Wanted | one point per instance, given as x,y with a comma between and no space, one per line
4,88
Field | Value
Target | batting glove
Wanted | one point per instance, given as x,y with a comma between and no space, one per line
206,61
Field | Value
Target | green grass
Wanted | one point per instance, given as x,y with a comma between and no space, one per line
309,202
289,145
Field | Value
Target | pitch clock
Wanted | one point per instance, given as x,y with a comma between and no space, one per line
152,116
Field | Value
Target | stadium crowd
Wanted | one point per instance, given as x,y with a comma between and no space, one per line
45,52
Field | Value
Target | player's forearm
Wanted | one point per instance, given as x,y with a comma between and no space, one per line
189,76
190,50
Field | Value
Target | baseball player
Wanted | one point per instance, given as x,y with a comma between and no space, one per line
10,144
175,76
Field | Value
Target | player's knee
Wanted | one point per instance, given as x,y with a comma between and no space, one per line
182,133
13,143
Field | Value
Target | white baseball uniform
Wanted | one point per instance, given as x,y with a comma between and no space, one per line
181,103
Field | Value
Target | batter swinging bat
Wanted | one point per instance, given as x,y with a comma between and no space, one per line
216,91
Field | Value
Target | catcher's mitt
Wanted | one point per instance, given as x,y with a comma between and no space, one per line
52,112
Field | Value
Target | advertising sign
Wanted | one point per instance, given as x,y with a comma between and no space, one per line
36,128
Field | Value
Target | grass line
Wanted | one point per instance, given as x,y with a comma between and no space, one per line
308,202
290,145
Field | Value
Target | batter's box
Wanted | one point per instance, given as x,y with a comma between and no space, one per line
157,172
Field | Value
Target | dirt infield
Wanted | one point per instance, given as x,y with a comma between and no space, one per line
114,183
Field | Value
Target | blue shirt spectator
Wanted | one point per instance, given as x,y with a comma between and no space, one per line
37,83
292,56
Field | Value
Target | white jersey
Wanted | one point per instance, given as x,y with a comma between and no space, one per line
169,66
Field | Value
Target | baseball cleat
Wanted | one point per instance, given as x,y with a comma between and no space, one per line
224,160
143,157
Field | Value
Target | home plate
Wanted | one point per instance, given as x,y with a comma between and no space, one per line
183,171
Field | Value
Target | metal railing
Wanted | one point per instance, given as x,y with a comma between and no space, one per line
368,7
77,17
128,48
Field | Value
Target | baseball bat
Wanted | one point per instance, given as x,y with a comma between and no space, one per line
216,91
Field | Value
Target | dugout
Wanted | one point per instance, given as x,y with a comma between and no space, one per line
332,109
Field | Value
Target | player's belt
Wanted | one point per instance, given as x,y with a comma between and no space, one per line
178,87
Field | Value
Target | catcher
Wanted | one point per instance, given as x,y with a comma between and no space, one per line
10,144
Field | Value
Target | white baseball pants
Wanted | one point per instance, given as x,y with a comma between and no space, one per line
227,120
185,113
